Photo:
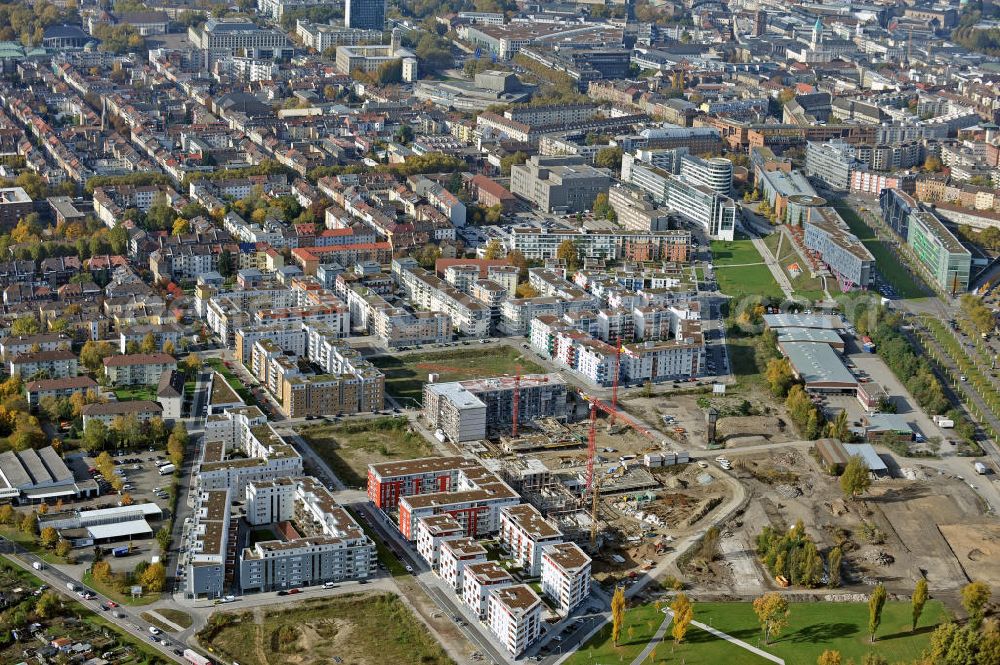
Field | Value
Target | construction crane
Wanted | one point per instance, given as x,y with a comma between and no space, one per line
517,401
594,483
614,382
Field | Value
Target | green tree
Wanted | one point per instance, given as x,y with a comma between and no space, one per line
876,602
512,160
856,479
772,613
833,562
148,344
163,538
48,538
494,250
25,325
617,614
975,596
95,435
779,376
609,158
568,252
919,599
63,548
683,611
828,657
49,605
7,514
839,427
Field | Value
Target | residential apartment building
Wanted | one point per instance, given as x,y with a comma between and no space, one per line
107,412
213,530
896,207
429,292
318,541
559,184
462,488
614,245
137,369
525,534
17,345
321,37
239,447
66,387
471,410
565,576
161,333
58,364
481,579
456,555
432,531
514,615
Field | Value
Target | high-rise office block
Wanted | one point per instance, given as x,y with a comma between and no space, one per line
365,14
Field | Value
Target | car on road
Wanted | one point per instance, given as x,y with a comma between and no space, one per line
409,569
294,591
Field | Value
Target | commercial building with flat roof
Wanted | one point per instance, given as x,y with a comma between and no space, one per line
559,184
36,476
840,250
940,252
819,367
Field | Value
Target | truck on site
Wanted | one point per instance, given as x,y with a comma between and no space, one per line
943,422
981,468
167,469
195,658
121,551
73,586
38,565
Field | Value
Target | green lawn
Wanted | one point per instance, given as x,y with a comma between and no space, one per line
805,286
386,557
219,366
350,447
29,543
893,270
129,393
361,629
405,375
112,593
813,628
740,270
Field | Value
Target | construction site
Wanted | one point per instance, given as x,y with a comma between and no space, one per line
621,490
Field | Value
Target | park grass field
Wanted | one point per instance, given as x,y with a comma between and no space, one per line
362,629
349,448
740,270
888,264
813,628
405,375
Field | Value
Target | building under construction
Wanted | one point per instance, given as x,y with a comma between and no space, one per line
480,408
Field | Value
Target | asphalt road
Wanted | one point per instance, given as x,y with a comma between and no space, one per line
131,623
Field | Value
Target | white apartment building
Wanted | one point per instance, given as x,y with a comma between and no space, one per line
322,543
565,576
480,580
261,453
433,530
206,568
58,364
525,533
456,555
427,291
142,369
514,615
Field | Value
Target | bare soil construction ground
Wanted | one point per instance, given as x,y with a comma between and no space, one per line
900,530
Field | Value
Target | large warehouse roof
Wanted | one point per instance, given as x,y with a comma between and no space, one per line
818,365
119,530
825,321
